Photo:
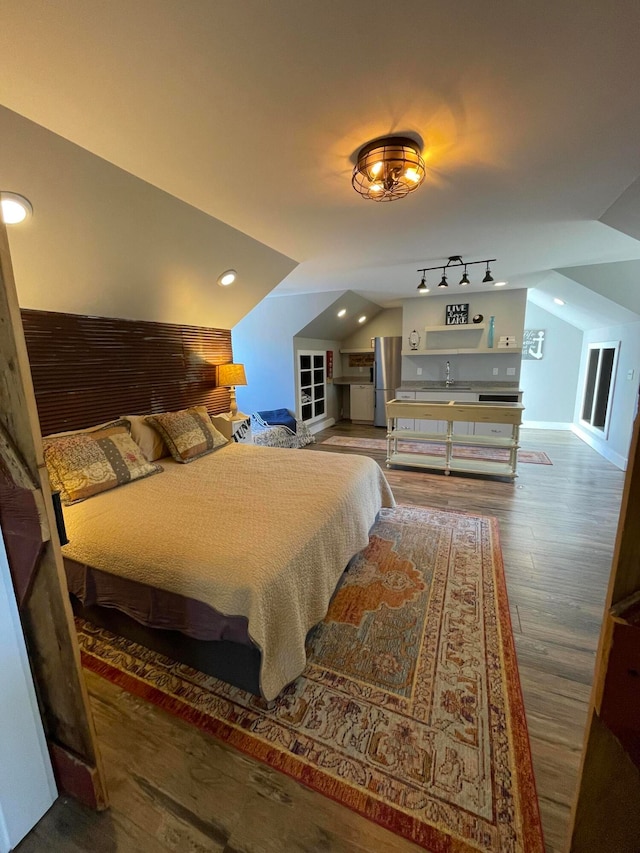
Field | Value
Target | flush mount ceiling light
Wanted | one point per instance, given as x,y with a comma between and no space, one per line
558,301
388,168
227,277
14,208
500,283
362,319
342,312
456,261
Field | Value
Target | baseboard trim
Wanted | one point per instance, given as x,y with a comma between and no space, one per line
320,425
613,457
547,425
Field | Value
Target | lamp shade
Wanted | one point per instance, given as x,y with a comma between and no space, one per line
231,374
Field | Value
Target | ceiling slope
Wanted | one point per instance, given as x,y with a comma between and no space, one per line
252,112
104,242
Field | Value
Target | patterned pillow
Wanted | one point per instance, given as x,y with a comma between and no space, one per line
189,434
86,463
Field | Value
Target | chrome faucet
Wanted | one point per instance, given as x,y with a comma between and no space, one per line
449,380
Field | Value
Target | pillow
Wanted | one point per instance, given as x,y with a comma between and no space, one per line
112,422
146,437
83,464
279,417
189,433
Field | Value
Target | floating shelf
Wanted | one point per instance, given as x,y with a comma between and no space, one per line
464,351
456,327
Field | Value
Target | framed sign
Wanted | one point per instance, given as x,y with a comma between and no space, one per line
457,315
532,344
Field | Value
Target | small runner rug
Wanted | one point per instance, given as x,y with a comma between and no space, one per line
493,454
409,710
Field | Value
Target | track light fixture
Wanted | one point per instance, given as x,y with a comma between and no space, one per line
454,261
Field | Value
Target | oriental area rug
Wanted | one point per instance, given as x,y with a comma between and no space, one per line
409,710
491,454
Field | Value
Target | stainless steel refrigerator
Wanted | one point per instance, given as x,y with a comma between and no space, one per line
387,367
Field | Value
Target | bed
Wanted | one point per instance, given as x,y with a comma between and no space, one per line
227,562
224,563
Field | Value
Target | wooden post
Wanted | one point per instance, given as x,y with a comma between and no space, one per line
606,814
29,530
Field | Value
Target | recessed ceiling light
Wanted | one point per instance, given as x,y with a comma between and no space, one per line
558,301
227,277
342,312
15,208
500,283
362,319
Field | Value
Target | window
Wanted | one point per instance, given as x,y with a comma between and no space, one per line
600,376
312,385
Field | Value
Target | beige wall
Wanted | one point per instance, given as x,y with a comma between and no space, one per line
386,323
104,242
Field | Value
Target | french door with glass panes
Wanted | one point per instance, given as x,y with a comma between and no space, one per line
312,391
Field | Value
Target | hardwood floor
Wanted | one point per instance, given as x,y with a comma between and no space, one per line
175,788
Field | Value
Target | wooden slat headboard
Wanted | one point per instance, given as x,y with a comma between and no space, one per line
87,370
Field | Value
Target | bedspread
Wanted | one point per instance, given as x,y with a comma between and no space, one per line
258,532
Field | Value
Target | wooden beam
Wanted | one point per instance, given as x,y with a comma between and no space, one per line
44,607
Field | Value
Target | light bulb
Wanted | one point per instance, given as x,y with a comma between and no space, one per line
376,188
15,208
226,278
412,175
376,169
342,312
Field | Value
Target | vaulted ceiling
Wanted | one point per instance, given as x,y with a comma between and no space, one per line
252,112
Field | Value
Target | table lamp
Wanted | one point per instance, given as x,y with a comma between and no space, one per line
232,375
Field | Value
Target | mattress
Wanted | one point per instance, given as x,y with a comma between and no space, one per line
254,532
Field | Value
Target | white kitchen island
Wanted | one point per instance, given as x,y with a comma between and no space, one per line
444,416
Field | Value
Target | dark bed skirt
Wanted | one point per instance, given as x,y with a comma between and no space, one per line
234,663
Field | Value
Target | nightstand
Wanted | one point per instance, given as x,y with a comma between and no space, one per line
234,428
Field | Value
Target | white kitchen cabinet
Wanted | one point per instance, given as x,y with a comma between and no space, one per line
361,403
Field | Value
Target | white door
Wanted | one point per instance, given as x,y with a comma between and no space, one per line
27,787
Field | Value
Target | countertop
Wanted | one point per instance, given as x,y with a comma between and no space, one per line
477,387
362,379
